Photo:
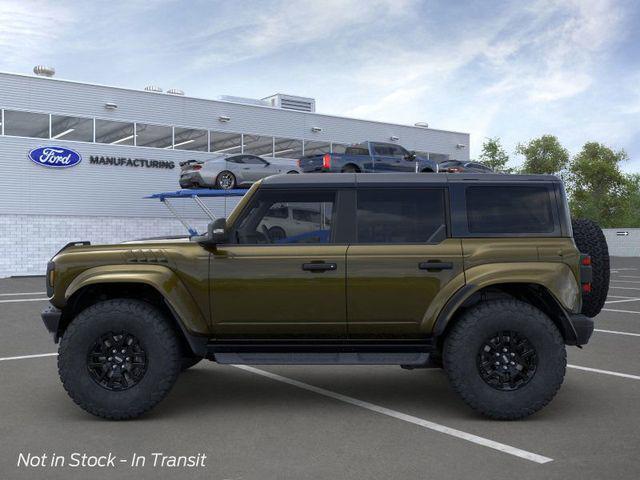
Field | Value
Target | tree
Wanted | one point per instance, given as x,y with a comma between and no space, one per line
543,155
494,156
599,189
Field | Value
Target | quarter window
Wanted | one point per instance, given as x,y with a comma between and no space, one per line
268,220
508,209
401,216
26,124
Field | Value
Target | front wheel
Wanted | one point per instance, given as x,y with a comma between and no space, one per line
505,358
119,358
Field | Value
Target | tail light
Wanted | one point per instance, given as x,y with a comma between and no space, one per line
298,163
326,161
455,170
586,273
196,167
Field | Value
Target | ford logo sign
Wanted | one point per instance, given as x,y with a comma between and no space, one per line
56,157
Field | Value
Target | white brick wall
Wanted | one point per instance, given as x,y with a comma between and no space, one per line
623,242
27,242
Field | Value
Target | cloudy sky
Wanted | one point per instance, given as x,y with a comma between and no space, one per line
493,68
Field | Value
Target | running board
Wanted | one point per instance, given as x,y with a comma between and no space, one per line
325,358
321,352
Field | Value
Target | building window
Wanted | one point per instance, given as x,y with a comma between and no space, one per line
287,148
338,148
316,148
436,157
257,145
226,143
157,136
26,124
115,133
190,139
71,128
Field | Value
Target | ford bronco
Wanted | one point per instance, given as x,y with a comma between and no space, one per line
483,275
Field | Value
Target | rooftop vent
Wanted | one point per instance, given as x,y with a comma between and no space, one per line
175,91
422,124
153,88
43,71
291,102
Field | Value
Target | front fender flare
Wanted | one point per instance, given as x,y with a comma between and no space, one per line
161,278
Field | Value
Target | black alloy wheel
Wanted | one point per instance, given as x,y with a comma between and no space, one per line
117,361
507,361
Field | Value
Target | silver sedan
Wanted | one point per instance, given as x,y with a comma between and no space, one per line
231,171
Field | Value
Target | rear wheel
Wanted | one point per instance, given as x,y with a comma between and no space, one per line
119,358
590,240
505,358
292,172
350,169
225,180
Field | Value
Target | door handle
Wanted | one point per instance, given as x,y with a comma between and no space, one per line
434,266
319,267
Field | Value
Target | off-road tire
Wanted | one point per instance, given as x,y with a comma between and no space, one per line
156,336
590,240
472,330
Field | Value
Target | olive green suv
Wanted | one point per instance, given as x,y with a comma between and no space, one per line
483,275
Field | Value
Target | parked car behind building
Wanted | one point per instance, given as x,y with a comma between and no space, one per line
230,171
368,157
459,166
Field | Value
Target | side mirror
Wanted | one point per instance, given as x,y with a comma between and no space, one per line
410,156
216,233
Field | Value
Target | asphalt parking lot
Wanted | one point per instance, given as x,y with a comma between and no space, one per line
303,422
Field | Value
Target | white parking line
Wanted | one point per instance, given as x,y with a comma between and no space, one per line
627,299
485,442
16,294
606,372
623,288
25,300
620,311
628,276
625,281
617,332
22,357
614,269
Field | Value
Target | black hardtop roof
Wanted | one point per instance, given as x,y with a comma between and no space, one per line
398,179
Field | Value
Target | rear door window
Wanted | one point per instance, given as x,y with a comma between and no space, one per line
401,216
509,209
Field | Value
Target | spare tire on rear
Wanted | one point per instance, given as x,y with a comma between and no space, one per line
590,240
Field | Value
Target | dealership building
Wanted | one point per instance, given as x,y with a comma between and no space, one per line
128,144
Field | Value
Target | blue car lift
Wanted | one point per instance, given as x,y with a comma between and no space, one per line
196,195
